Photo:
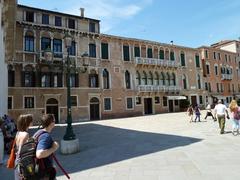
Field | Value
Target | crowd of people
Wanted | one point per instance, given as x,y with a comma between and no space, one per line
219,113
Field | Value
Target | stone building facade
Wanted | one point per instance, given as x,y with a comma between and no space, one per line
120,77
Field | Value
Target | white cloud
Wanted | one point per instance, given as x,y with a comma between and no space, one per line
110,12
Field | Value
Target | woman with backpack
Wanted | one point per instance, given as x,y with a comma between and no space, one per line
46,147
235,116
23,123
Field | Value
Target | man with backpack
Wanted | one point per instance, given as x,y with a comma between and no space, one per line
46,147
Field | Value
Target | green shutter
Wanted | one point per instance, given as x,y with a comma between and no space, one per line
149,52
197,61
126,56
161,54
104,50
172,58
182,59
136,52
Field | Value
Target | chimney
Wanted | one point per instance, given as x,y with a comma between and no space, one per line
82,12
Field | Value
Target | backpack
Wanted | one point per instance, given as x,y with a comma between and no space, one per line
28,163
236,115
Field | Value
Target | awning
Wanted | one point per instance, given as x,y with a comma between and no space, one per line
219,97
176,97
237,96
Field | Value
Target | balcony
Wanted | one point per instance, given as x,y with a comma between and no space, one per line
227,76
153,88
156,62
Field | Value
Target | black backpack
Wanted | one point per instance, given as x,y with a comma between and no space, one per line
28,163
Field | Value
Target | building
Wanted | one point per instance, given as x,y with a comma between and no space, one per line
120,77
221,74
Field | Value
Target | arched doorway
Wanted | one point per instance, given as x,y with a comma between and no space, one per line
94,109
52,108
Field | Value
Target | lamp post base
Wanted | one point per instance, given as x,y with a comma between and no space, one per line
70,146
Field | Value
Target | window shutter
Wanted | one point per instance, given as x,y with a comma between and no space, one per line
33,83
59,80
96,80
77,79
89,80
23,78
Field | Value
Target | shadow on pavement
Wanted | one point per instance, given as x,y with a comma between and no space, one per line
102,145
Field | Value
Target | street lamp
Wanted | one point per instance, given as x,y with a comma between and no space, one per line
69,135
69,143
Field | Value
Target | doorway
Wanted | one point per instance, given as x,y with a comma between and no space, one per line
148,106
52,108
94,109
194,100
170,105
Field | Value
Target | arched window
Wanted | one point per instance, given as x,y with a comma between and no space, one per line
184,81
11,76
173,80
172,56
156,78
144,78
161,53
199,81
105,79
29,41
93,79
162,79
150,78
127,80
167,54
167,79
182,57
138,78
28,77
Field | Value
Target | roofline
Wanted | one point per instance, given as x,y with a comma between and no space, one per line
147,41
216,49
56,12
224,43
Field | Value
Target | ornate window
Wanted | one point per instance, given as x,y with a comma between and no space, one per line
127,80
105,79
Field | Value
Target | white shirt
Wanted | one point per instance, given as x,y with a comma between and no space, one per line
220,109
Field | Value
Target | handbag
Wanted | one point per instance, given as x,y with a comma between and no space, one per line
12,157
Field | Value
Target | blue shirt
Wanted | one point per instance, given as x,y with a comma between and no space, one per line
45,142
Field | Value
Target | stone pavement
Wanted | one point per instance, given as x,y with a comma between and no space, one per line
156,147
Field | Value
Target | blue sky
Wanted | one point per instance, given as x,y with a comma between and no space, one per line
188,23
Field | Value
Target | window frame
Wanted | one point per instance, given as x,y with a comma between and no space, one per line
126,101
26,103
110,101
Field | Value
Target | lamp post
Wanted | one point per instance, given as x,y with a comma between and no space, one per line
69,135
69,143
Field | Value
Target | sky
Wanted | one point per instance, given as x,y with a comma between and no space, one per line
188,23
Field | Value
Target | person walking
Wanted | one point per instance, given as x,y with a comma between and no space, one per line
220,112
197,113
209,112
234,116
46,147
23,123
190,112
